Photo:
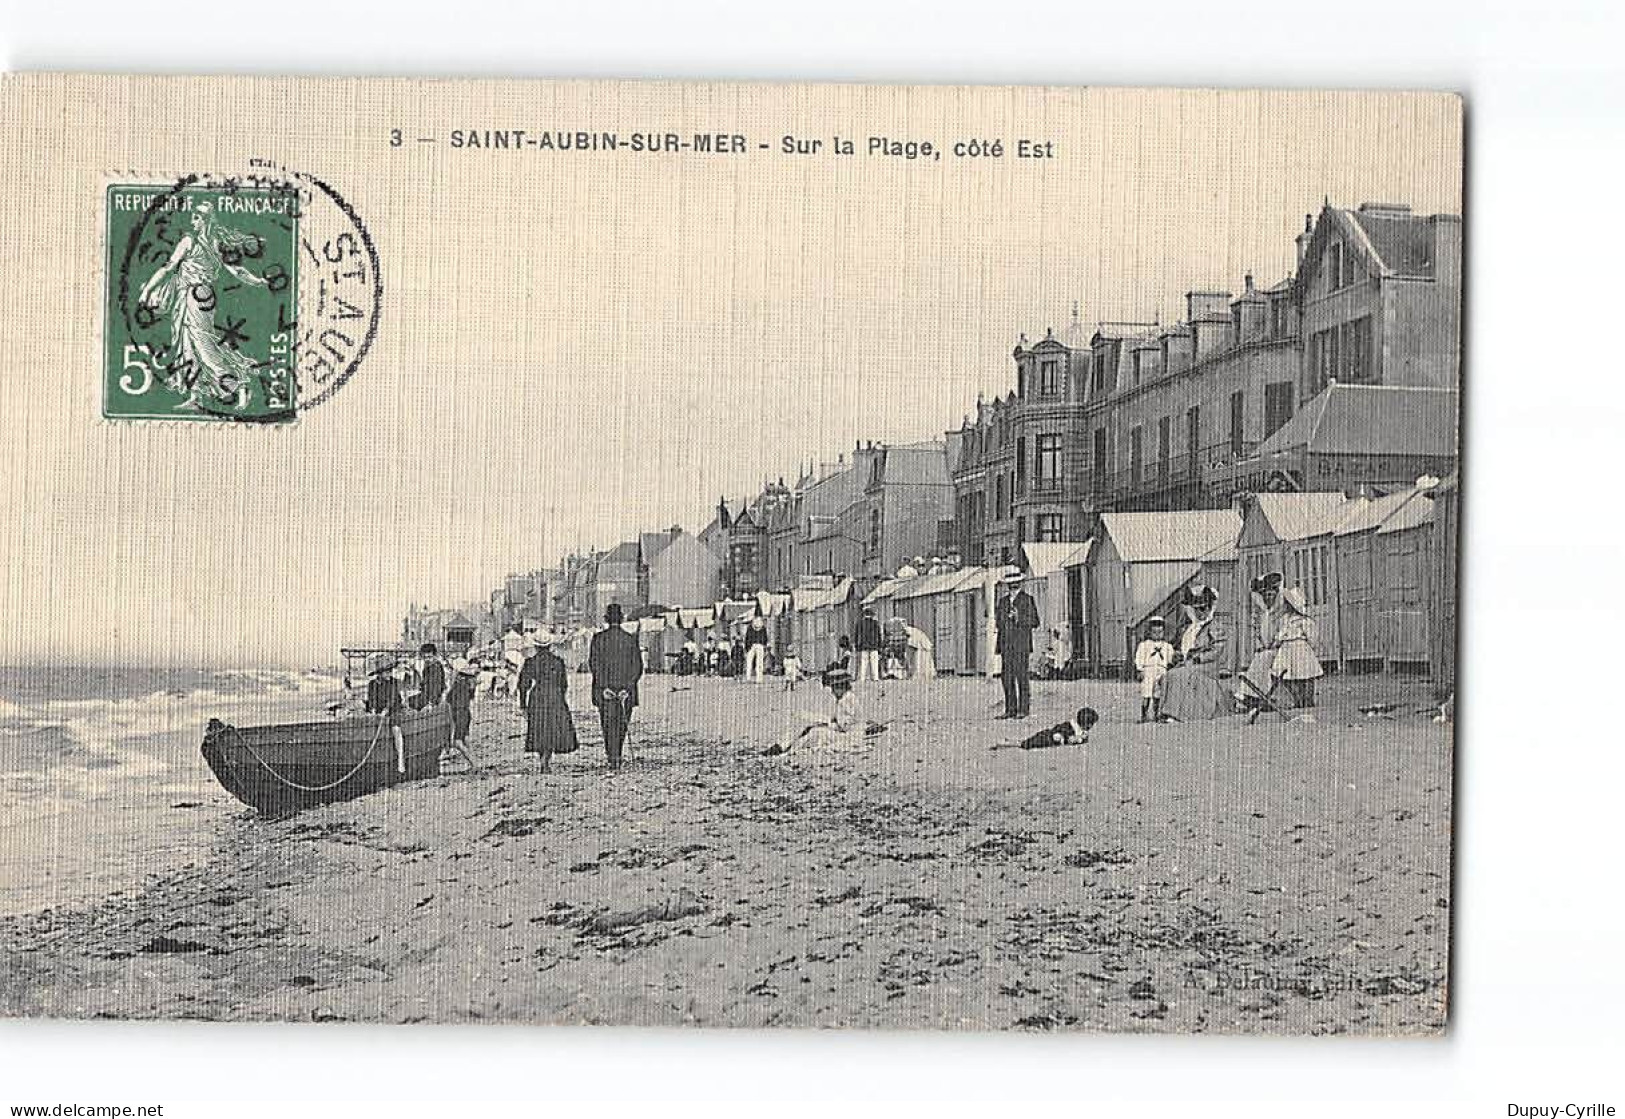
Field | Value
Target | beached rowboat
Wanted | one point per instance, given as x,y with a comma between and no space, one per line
283,768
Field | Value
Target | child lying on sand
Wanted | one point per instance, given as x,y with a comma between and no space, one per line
1073,732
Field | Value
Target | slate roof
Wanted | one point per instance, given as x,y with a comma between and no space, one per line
1401,241
913,464
1168,536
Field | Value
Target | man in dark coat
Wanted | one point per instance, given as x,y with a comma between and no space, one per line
616,664
868,640
434,678
1017,618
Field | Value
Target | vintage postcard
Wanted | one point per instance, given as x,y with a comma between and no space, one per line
640,553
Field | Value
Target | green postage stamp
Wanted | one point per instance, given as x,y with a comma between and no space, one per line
201,302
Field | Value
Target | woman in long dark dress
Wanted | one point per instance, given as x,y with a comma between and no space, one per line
543,683
1191,690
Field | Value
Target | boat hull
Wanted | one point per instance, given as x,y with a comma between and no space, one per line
283,768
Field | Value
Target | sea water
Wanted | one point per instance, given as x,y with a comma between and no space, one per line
102,780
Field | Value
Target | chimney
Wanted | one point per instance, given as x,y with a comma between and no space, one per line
1249,314
1303,238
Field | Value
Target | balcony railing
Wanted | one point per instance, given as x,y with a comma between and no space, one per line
1163,474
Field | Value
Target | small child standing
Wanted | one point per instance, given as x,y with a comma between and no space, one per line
792,669
1153,659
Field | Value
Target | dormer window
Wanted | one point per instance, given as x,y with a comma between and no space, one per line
1049,378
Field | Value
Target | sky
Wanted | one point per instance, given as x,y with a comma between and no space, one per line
575,347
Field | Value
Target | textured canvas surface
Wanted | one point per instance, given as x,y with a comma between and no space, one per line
302,375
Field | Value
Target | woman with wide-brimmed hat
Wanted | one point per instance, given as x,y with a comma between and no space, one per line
543,684
1259,675
384,700
1191,689
1295,660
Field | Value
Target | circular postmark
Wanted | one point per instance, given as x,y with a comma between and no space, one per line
250,297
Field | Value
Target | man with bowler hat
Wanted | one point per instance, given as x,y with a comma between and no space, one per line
616,664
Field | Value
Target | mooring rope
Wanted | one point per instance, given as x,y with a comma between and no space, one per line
269,768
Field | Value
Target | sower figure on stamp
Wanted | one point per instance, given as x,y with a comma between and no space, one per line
219,373
1017,618
616,665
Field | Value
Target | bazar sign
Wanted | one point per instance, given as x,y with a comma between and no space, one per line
1376,468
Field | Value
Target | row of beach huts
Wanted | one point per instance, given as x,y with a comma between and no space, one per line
1378,573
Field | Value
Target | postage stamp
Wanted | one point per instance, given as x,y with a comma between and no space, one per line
240,298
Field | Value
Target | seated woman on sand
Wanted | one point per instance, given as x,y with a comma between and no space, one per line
1191,689
843,730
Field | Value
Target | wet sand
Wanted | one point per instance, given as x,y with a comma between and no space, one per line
1282,877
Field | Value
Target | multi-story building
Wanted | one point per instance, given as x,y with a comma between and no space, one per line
906,498
1192,397
621,577
1379,290
818,529
576,602
1046,431
739,534
1153,417
1017,469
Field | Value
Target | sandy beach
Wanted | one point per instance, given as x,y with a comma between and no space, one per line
1279,877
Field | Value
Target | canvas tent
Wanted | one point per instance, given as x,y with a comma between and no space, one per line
1133,567
1045,578
1442,586
953,608
823,614
1292,533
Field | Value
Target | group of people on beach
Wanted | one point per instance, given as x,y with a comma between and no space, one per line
1179,682
396,687
1182,684
894,651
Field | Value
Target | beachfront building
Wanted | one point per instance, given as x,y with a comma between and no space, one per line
576,603
816,529
1180,401
685,573
620,577
739,535
907,499
1353,439
1379,293
1016,468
